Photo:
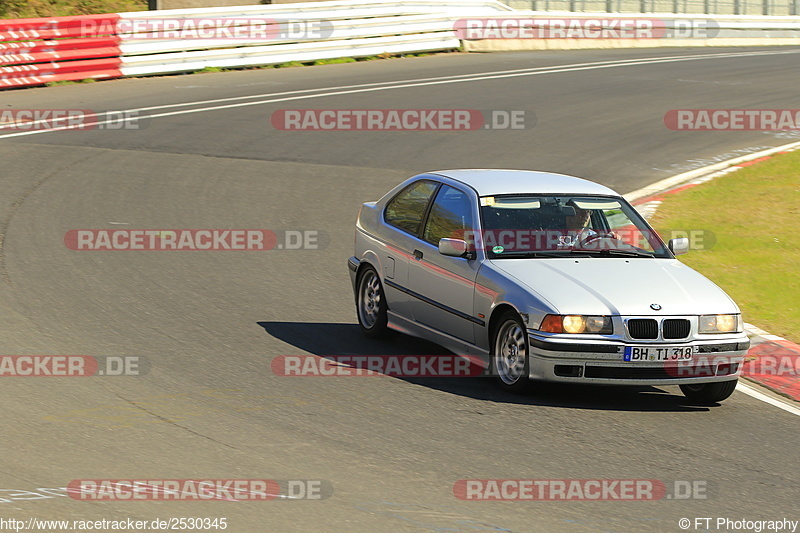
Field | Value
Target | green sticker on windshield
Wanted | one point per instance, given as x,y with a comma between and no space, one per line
498,249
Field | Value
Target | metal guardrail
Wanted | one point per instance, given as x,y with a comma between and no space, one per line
684,7
565,30
282,53
38,51
354,29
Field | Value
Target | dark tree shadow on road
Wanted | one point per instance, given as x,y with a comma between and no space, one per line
332,339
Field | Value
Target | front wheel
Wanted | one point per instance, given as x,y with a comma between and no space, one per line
509,356
707,393
371,304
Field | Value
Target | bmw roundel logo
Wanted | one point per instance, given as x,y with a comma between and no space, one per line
655,307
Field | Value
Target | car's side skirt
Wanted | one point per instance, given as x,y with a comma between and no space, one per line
457,346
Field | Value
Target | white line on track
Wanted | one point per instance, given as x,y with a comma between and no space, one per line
679,179
307,94
750,391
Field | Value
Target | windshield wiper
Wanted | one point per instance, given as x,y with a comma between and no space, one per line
613,251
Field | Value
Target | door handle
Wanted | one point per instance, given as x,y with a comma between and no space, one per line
418,254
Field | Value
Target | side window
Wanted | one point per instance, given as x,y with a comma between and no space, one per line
406,210
451,216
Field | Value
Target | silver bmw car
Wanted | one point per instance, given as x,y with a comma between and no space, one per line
542,277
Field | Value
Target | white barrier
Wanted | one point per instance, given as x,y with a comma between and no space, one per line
356,28
342,29
728,30
282,53
353,29
163,42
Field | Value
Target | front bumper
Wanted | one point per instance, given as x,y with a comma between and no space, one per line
352,265
602,362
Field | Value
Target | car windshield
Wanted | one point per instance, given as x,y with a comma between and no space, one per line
515,226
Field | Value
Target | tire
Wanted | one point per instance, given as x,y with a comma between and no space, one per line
371,304
709,393
509,354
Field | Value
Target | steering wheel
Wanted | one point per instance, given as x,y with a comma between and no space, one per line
597,236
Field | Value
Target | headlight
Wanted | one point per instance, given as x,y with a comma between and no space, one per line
574,323
600,325
719,323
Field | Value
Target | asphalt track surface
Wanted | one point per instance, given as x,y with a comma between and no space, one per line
209,323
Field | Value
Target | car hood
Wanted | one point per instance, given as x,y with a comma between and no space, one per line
618,286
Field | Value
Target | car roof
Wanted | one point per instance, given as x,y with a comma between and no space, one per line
489,182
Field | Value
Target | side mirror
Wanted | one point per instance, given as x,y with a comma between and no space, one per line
679,246
455,248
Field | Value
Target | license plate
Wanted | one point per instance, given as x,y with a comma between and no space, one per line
658,353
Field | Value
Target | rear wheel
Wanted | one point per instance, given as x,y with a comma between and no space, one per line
509,356
371,304
706,393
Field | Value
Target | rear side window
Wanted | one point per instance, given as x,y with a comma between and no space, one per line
451,216
407,209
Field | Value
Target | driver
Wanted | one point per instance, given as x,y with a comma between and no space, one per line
578,225
579,228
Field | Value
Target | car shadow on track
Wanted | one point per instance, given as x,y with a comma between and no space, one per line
333,339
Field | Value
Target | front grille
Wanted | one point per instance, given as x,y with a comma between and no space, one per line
643,328
659,372
675,328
